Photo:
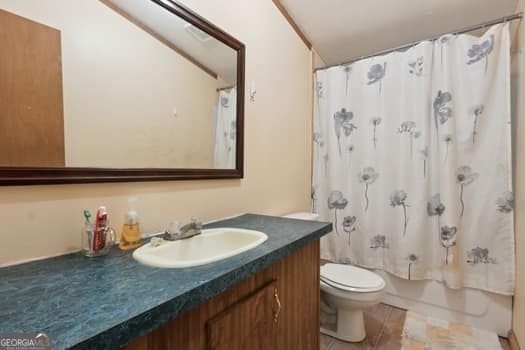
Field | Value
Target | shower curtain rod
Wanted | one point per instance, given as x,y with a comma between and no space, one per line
225,88
513,17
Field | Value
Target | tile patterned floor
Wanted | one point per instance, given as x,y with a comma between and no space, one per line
384,327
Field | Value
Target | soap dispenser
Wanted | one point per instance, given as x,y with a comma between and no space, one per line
130,237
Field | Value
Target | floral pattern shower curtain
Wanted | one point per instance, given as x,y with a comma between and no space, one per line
412,162
226,130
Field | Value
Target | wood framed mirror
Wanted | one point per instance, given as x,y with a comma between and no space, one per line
117,91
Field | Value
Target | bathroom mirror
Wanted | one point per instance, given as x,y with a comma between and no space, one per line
117,90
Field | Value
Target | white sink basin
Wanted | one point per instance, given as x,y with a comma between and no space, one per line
210,246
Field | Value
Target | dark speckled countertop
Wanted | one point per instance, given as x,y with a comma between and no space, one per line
107,302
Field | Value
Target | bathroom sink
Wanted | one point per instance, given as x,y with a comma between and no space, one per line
210,246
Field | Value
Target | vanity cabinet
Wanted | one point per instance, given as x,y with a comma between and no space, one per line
277,308
248,324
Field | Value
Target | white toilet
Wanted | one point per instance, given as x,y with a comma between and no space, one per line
346,291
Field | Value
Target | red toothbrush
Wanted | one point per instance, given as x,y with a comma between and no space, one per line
101,222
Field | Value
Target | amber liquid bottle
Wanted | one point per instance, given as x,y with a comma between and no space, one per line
130,237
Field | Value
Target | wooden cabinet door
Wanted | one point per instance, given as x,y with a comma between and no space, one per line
31,111
250,323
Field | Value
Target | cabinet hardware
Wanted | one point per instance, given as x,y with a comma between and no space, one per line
276,313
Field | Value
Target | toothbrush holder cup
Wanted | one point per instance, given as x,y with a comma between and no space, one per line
97,243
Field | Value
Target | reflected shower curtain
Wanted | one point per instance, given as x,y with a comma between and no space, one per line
225,130
412,162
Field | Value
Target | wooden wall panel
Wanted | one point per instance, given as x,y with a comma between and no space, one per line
297,281
31,106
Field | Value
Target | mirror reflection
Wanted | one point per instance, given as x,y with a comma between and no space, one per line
113,84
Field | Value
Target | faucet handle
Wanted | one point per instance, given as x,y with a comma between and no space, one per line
197,222
173,227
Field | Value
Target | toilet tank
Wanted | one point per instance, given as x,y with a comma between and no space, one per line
303,216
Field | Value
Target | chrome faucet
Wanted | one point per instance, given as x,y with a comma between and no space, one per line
191,229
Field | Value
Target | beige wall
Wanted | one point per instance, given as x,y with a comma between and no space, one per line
519,299
121,86
318,60
46,220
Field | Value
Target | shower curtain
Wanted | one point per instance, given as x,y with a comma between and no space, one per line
225,130
412,162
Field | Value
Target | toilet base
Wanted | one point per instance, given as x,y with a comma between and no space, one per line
350,326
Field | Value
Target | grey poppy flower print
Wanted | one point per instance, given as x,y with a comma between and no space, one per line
336,202
505,203
448,239
424,156
378,241
319,142
434,206
347,69
398,199
479,255
319,89
349,223
376,74
412,259
367,176
318,139
230,135
350,150
375,123
225,102
313,197
477,111
416,67
233,130
314,193
441,111
479,52
343,122
448,236
409,127
465,176
447,139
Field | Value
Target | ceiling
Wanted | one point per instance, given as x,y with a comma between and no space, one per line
341,30
211,53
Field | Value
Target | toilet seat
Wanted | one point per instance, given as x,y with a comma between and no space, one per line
351,278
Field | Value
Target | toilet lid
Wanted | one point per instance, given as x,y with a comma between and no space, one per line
351,277
303,216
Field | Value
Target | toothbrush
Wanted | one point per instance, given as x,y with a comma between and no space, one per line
101,221
87,216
